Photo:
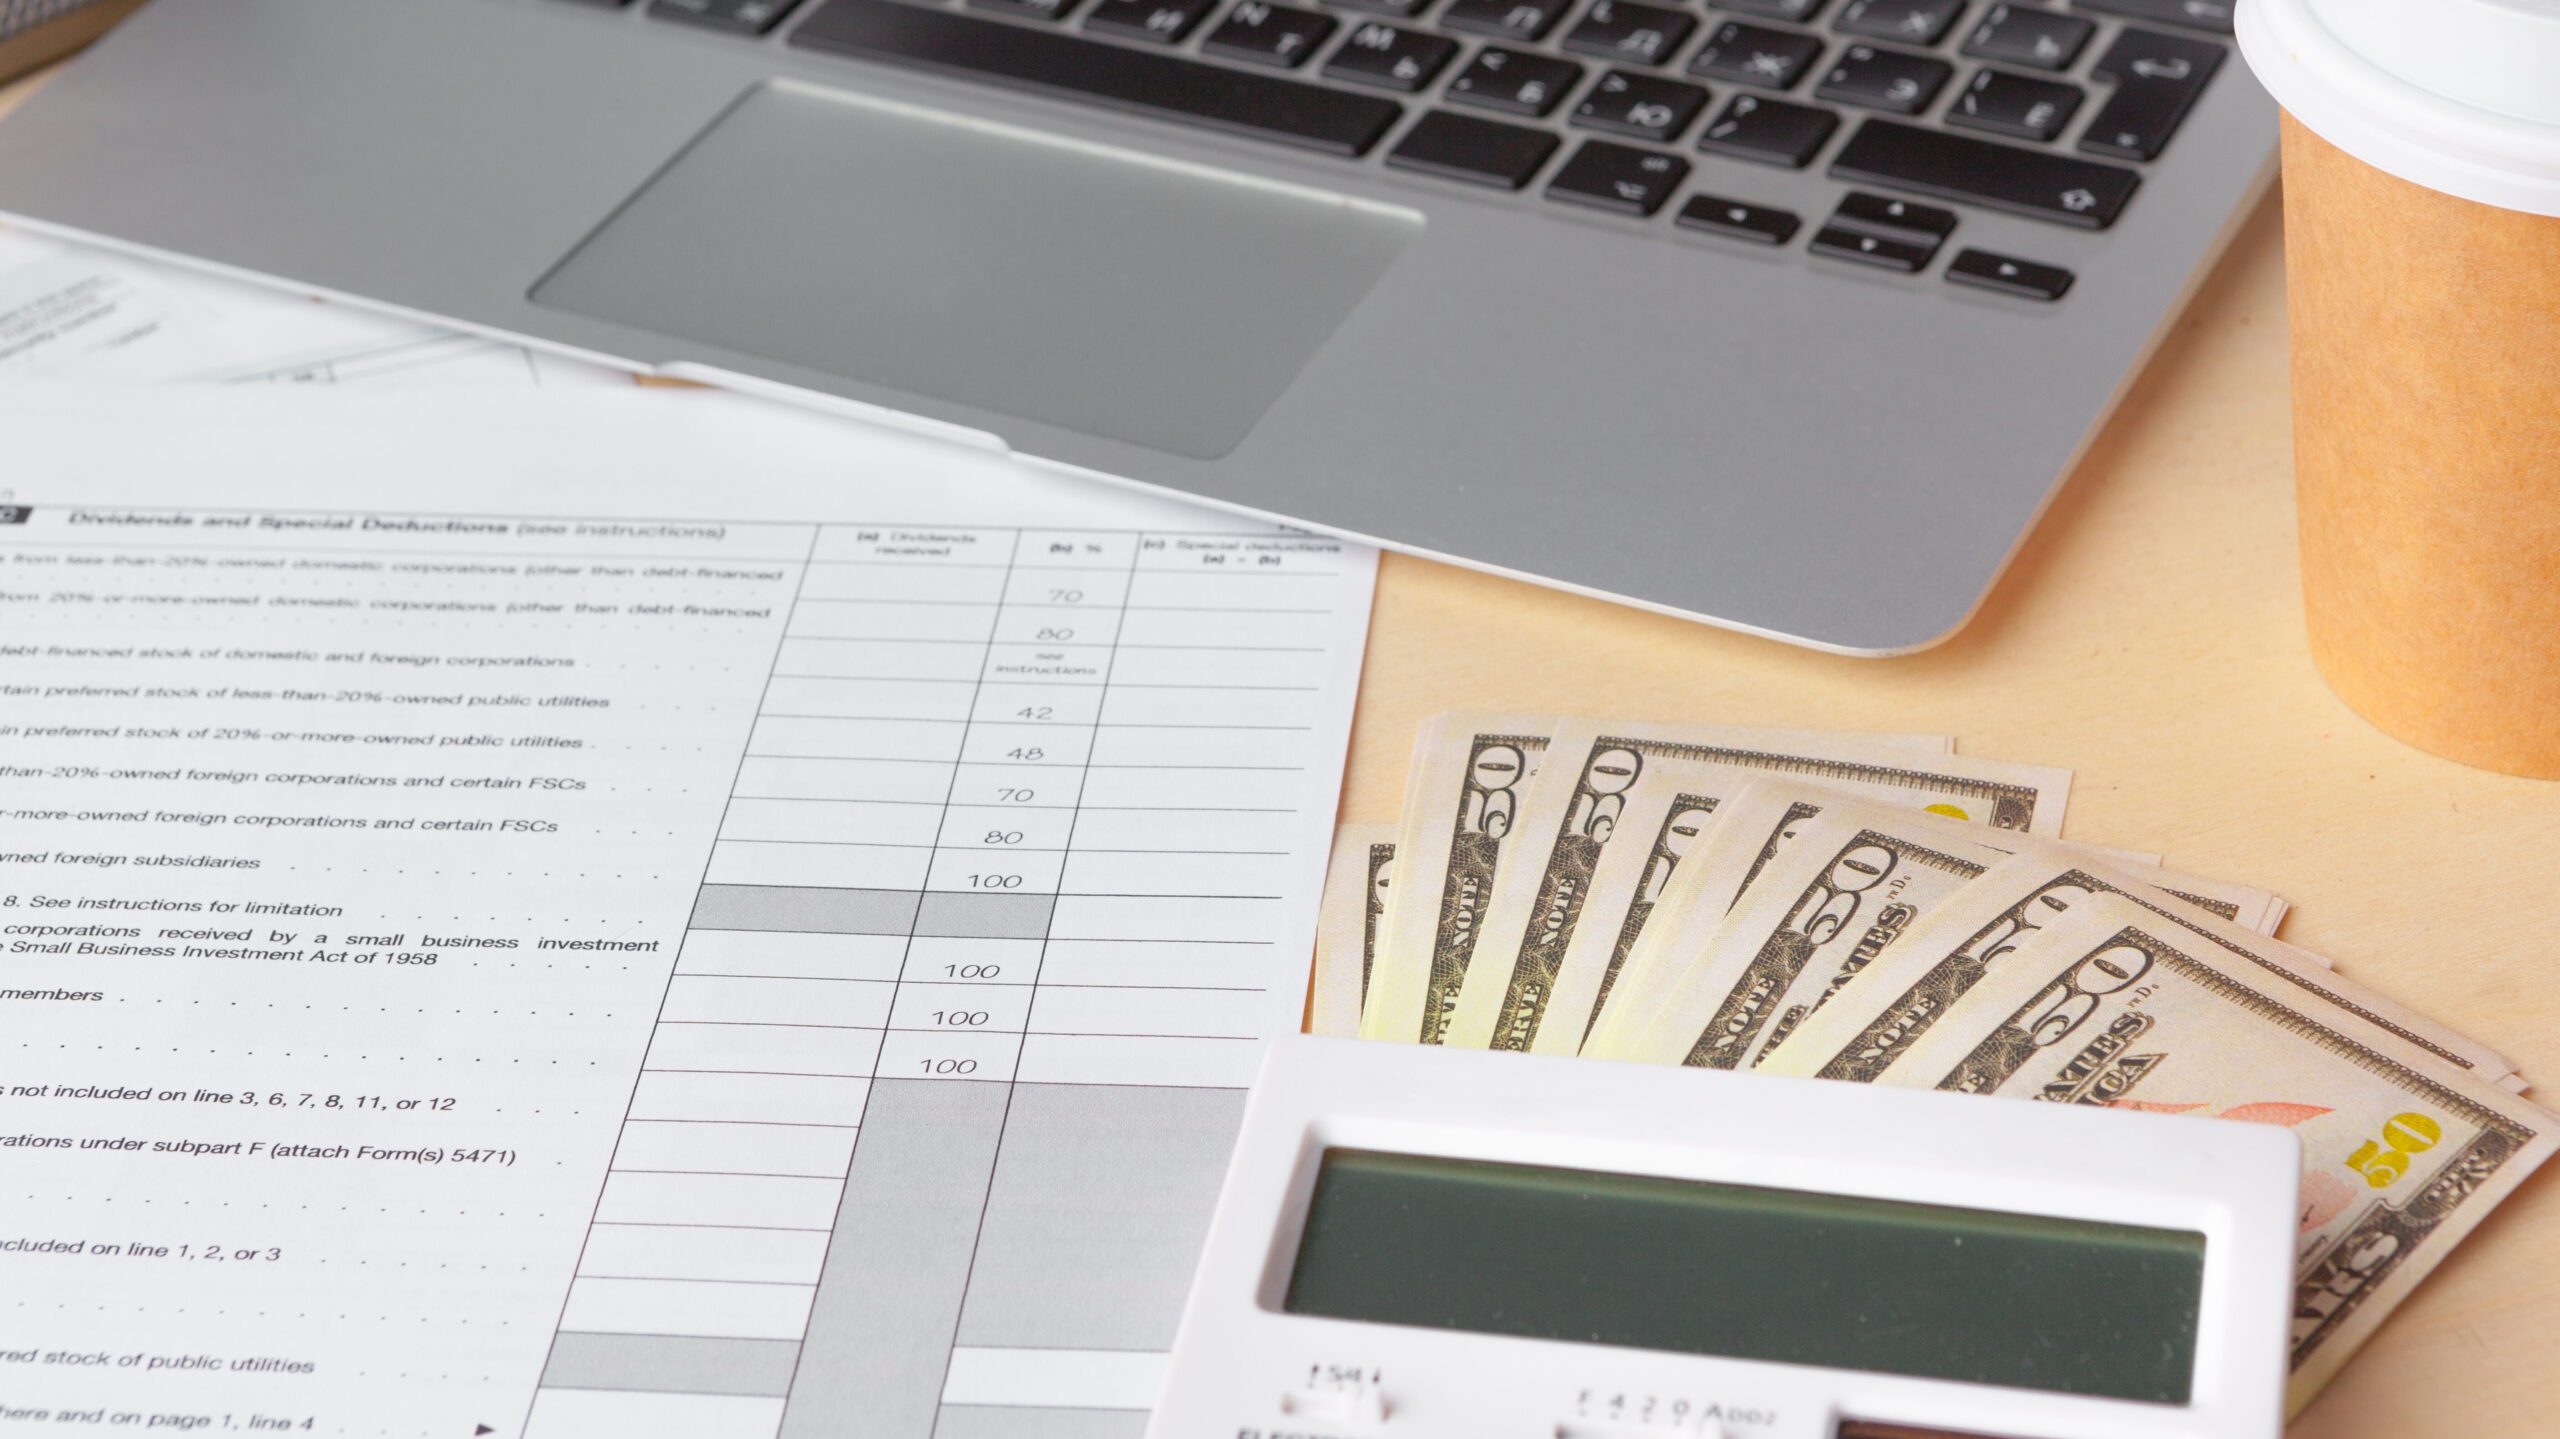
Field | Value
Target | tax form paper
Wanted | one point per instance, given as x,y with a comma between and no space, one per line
628,915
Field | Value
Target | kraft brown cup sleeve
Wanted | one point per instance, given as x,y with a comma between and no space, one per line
2426,403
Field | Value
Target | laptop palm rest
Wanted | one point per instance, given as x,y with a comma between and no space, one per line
1012,272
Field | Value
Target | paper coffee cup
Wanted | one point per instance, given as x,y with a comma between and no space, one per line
2422,247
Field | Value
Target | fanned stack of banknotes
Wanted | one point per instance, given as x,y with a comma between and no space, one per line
1878,909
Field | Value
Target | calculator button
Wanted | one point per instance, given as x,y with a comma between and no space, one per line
1760,224
1522,20
1756,55
2023,35
2036,183
1645,106
1618,177
747,17
2019,105
2025,278
1359,1410
1906,22
1885,80
1268,34
2157,79
1481,152
1379,54
1163,22
1629,33
1514,81
1773,132
2194,14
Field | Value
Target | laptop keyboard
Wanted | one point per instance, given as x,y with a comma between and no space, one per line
1639,98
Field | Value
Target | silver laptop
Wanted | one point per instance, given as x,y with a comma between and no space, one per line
1788,315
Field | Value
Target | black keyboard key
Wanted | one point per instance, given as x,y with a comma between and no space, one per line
1264,107
1618,177
1380,54
1462,147
1645,106
1522,20
746,17
1027,9
1885,80
2024,278
2024,35
1401,9
1162,22
2018,105
2194,14
1876,230
2035,183
1756,55
2157,79
1629,32
1737,219
1268,34
1840,243
1902,219
1773,132
1799,11
1906,22
1514,81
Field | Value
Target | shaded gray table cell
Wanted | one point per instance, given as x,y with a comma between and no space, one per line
670,1364
1100,1207
947,915
805,909
879,1340
981,1421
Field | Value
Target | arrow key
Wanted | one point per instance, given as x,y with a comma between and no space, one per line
2010,276
1879,230
1900,219
1740,220
1842,243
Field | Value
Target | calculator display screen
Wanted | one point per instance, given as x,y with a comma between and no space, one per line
2066,1306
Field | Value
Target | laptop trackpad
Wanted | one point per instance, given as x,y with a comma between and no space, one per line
1014,272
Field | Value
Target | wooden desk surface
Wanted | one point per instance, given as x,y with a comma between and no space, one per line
2149,637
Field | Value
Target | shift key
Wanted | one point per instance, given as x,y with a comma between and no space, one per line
2034,183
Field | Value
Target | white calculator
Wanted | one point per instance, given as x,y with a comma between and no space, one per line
1426,1243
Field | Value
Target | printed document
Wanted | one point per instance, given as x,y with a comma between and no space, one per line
72,312
627,914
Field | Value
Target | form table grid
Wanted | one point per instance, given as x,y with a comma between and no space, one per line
954,1049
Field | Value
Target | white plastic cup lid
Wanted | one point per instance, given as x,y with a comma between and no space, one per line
2461,96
